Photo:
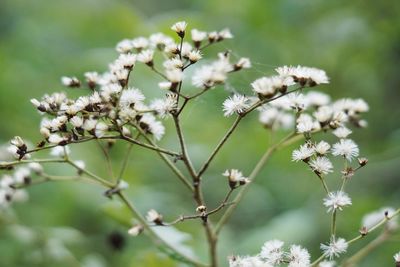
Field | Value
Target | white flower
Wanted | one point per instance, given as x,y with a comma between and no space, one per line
298,257
210,75
18,142
124,46
342,132
318,99
305,124
321,165
396,257
346,148
89,124
154,216
337,200
235,104
268,86
297,101
323,114
272,252
146,56
101,129
140,43
327,264
275,119
194,56
6,182
304,75
21,175
127,60
373,218
303,153
152,125
160,40
131,97
92,77
253,261
165,106
56,139
334,248
76,121
243,63
322,148
179,28
60,151
70,81
174,75
198,36
136,230
173,63
225,34
234,177
165,85
35,167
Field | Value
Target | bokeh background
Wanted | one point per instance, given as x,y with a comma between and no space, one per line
68,224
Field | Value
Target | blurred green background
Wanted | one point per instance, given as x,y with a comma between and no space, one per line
68,224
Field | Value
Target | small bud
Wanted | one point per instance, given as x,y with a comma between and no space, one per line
155,217
194,56
363,231
136,230
362,161
348,172
201,208
18,142
72,82
179,28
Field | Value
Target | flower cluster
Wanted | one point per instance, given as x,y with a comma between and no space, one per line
10,190
115,109
273,254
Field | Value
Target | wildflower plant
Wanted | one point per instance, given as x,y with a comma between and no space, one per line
114,110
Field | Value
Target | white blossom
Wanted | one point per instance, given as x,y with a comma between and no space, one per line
154,216
272,252
268,86
146,56
342,132
337,200
304,75
327,264
318,99
198,36
303,153
124,46
179,27
194,56
346,148
334,248
140,43
396,257
165,106
298,257
60,151
322,148
131,96
174,75
135,230
321,165
235,104
101,129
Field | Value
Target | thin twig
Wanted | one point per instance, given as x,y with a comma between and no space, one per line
259,166
156,239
